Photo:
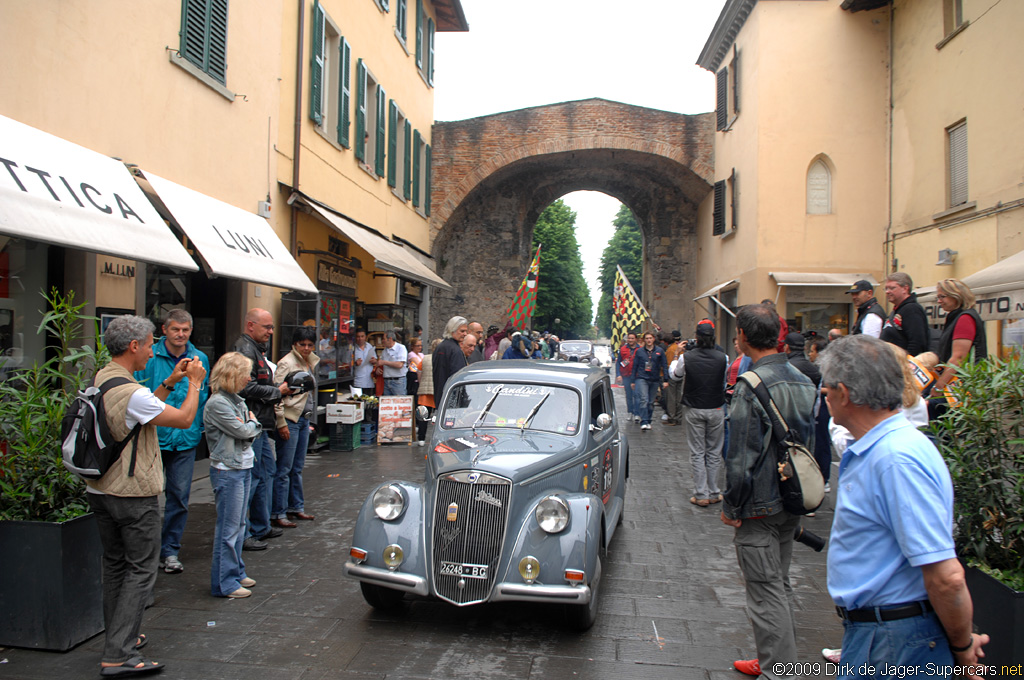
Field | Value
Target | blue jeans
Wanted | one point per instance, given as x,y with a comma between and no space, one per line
263,470
230,491
395,386
627,384
291,457
178,473
913,642
646,392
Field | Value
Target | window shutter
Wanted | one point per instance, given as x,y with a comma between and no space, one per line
392,144
360,140
416,143
426,182
722,99
736,83
719,215
407,167
384,4
204,35
419,33
732,197
400,18
344,92
382,116
958,164
430,51
218,40
316,66
193,32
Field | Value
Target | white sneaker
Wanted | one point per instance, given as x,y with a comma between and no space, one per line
828,487
645,426
241,592
172,565
636,419
664,416
832,655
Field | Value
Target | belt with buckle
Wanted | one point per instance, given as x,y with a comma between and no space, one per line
893,613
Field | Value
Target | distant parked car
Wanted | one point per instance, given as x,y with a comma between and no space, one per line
603,353
525,486
576,350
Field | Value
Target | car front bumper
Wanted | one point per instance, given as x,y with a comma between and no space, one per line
409,583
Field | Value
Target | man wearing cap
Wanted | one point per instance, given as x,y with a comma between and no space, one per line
870,314
795,351
907,326
703,368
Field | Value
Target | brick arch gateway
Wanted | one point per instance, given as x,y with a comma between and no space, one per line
494,175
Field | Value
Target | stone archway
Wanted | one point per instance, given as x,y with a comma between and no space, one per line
492,177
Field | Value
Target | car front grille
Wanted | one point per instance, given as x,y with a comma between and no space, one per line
470,517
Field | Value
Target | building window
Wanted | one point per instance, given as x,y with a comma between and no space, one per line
398,148
330,69
725,205
204,36
383,5
371,117
819,189
727,90
424,44
733,206
719,210
957,162
421,162
952,15
407,163
401,15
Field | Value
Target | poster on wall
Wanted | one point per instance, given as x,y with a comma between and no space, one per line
394,420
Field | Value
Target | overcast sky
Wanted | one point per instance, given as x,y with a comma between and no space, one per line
537,52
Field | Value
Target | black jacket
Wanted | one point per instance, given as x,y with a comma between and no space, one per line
800,362
705,378
869,307
980,345
448,358
260,394
907,327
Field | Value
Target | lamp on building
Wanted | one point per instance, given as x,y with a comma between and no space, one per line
946,256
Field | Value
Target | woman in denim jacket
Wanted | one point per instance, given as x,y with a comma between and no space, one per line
230,431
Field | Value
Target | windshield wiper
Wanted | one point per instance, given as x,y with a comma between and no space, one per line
533,412
486,409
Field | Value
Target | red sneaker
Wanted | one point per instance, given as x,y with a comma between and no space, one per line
749,667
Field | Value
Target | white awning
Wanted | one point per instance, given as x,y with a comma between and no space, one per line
58,192
713,294
232,242
999,289
819,279
387,254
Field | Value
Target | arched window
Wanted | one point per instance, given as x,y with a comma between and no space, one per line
819,189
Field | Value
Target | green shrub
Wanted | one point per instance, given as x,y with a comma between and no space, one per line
34,484
982,441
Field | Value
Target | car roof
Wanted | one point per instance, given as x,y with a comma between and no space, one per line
569,373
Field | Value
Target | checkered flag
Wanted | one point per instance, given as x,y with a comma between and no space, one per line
628,313
522,307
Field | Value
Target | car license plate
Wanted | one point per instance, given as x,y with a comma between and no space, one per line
465,570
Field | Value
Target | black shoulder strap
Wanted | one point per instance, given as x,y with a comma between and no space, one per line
780,430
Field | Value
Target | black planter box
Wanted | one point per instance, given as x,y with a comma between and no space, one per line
998,611
51,590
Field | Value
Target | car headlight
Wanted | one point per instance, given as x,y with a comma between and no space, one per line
388,502
552,514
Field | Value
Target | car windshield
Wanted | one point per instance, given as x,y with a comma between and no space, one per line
581,347
539,407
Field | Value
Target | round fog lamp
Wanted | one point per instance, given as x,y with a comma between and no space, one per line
388,502
529,569
552,514
393,556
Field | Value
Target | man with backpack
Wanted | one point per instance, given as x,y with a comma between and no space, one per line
124,499
177,446
753,503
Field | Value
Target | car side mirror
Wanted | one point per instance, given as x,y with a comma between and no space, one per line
603,421
423,413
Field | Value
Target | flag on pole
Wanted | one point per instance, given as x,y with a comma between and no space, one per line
628,313
525,302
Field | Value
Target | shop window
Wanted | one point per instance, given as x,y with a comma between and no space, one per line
819,188
204,36
371,117
956,148
330,70
23,271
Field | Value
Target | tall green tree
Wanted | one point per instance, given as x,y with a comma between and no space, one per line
562,291
625,249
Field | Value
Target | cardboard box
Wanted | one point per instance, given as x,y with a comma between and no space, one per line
348,412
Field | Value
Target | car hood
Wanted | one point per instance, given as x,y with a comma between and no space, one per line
501,451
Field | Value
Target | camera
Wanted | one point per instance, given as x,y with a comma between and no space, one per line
690,344
808,538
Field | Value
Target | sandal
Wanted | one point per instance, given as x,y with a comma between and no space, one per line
702,502
140,641
716,499
133,666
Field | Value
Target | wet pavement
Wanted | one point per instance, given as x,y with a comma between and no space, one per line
672,602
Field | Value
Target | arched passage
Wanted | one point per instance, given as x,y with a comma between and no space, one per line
494,175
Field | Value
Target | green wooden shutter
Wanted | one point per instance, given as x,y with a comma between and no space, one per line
344,92
384,4
204,36
416,144
316,66
401,18
722,99
407,182
718,226
217,53
426,182
392,144
430,51
419,34
382,116
360,140
736,83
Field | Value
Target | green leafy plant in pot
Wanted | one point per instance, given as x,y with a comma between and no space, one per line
51,592
982,441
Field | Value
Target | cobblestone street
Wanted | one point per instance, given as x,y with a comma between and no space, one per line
672,596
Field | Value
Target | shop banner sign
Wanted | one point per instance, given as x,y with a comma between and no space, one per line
394,420
1008,304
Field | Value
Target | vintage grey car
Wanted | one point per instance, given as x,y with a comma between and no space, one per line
525,485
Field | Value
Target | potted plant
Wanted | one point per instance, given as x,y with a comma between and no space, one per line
51,591
982,441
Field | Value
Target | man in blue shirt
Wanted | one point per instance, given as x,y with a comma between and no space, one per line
892,568
177,446
649,368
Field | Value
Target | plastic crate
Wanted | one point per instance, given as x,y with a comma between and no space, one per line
368,434
345,437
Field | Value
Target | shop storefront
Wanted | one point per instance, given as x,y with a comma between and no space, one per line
817,301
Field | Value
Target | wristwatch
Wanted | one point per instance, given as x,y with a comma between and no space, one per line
169,388
970,643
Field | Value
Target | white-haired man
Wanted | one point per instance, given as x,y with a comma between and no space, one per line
449,357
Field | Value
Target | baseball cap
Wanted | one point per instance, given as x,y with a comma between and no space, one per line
706,327
861,286
795,340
